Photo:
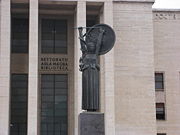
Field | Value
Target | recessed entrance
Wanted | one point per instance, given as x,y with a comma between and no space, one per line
19,87
54,89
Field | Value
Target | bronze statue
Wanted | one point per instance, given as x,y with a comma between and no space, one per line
93,44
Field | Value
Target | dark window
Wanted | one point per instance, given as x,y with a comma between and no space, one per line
19,88
20,32
90,23
54,36
159,81
54,105
160,111
161,133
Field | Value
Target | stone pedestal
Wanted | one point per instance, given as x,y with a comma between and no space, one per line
91,123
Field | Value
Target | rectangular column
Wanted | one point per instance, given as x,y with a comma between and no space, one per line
80,20
33,69
109,106
5,33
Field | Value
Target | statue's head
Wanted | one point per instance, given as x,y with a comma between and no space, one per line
91,47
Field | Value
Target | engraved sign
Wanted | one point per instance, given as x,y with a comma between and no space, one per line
165,16
52,63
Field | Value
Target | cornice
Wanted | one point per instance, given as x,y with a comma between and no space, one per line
165,10
139,1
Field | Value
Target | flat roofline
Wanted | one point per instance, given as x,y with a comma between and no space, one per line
166,9
26,1
143,1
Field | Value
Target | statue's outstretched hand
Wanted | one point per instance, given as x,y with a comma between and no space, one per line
80,29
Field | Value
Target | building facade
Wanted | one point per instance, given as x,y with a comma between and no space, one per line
40,81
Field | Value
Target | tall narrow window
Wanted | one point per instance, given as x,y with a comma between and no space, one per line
54,105
90,23
19,86
20,32
54,36
159,81
160,111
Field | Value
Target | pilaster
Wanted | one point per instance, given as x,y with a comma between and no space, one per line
33,69
109,108
80,20
5,32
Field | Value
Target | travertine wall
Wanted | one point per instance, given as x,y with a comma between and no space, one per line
4,67
167,54
134,69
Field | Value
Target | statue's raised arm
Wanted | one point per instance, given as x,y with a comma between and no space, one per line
82,40
99,40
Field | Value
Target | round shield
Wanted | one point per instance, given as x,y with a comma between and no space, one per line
108,38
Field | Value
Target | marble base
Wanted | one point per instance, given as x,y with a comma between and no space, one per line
91,123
